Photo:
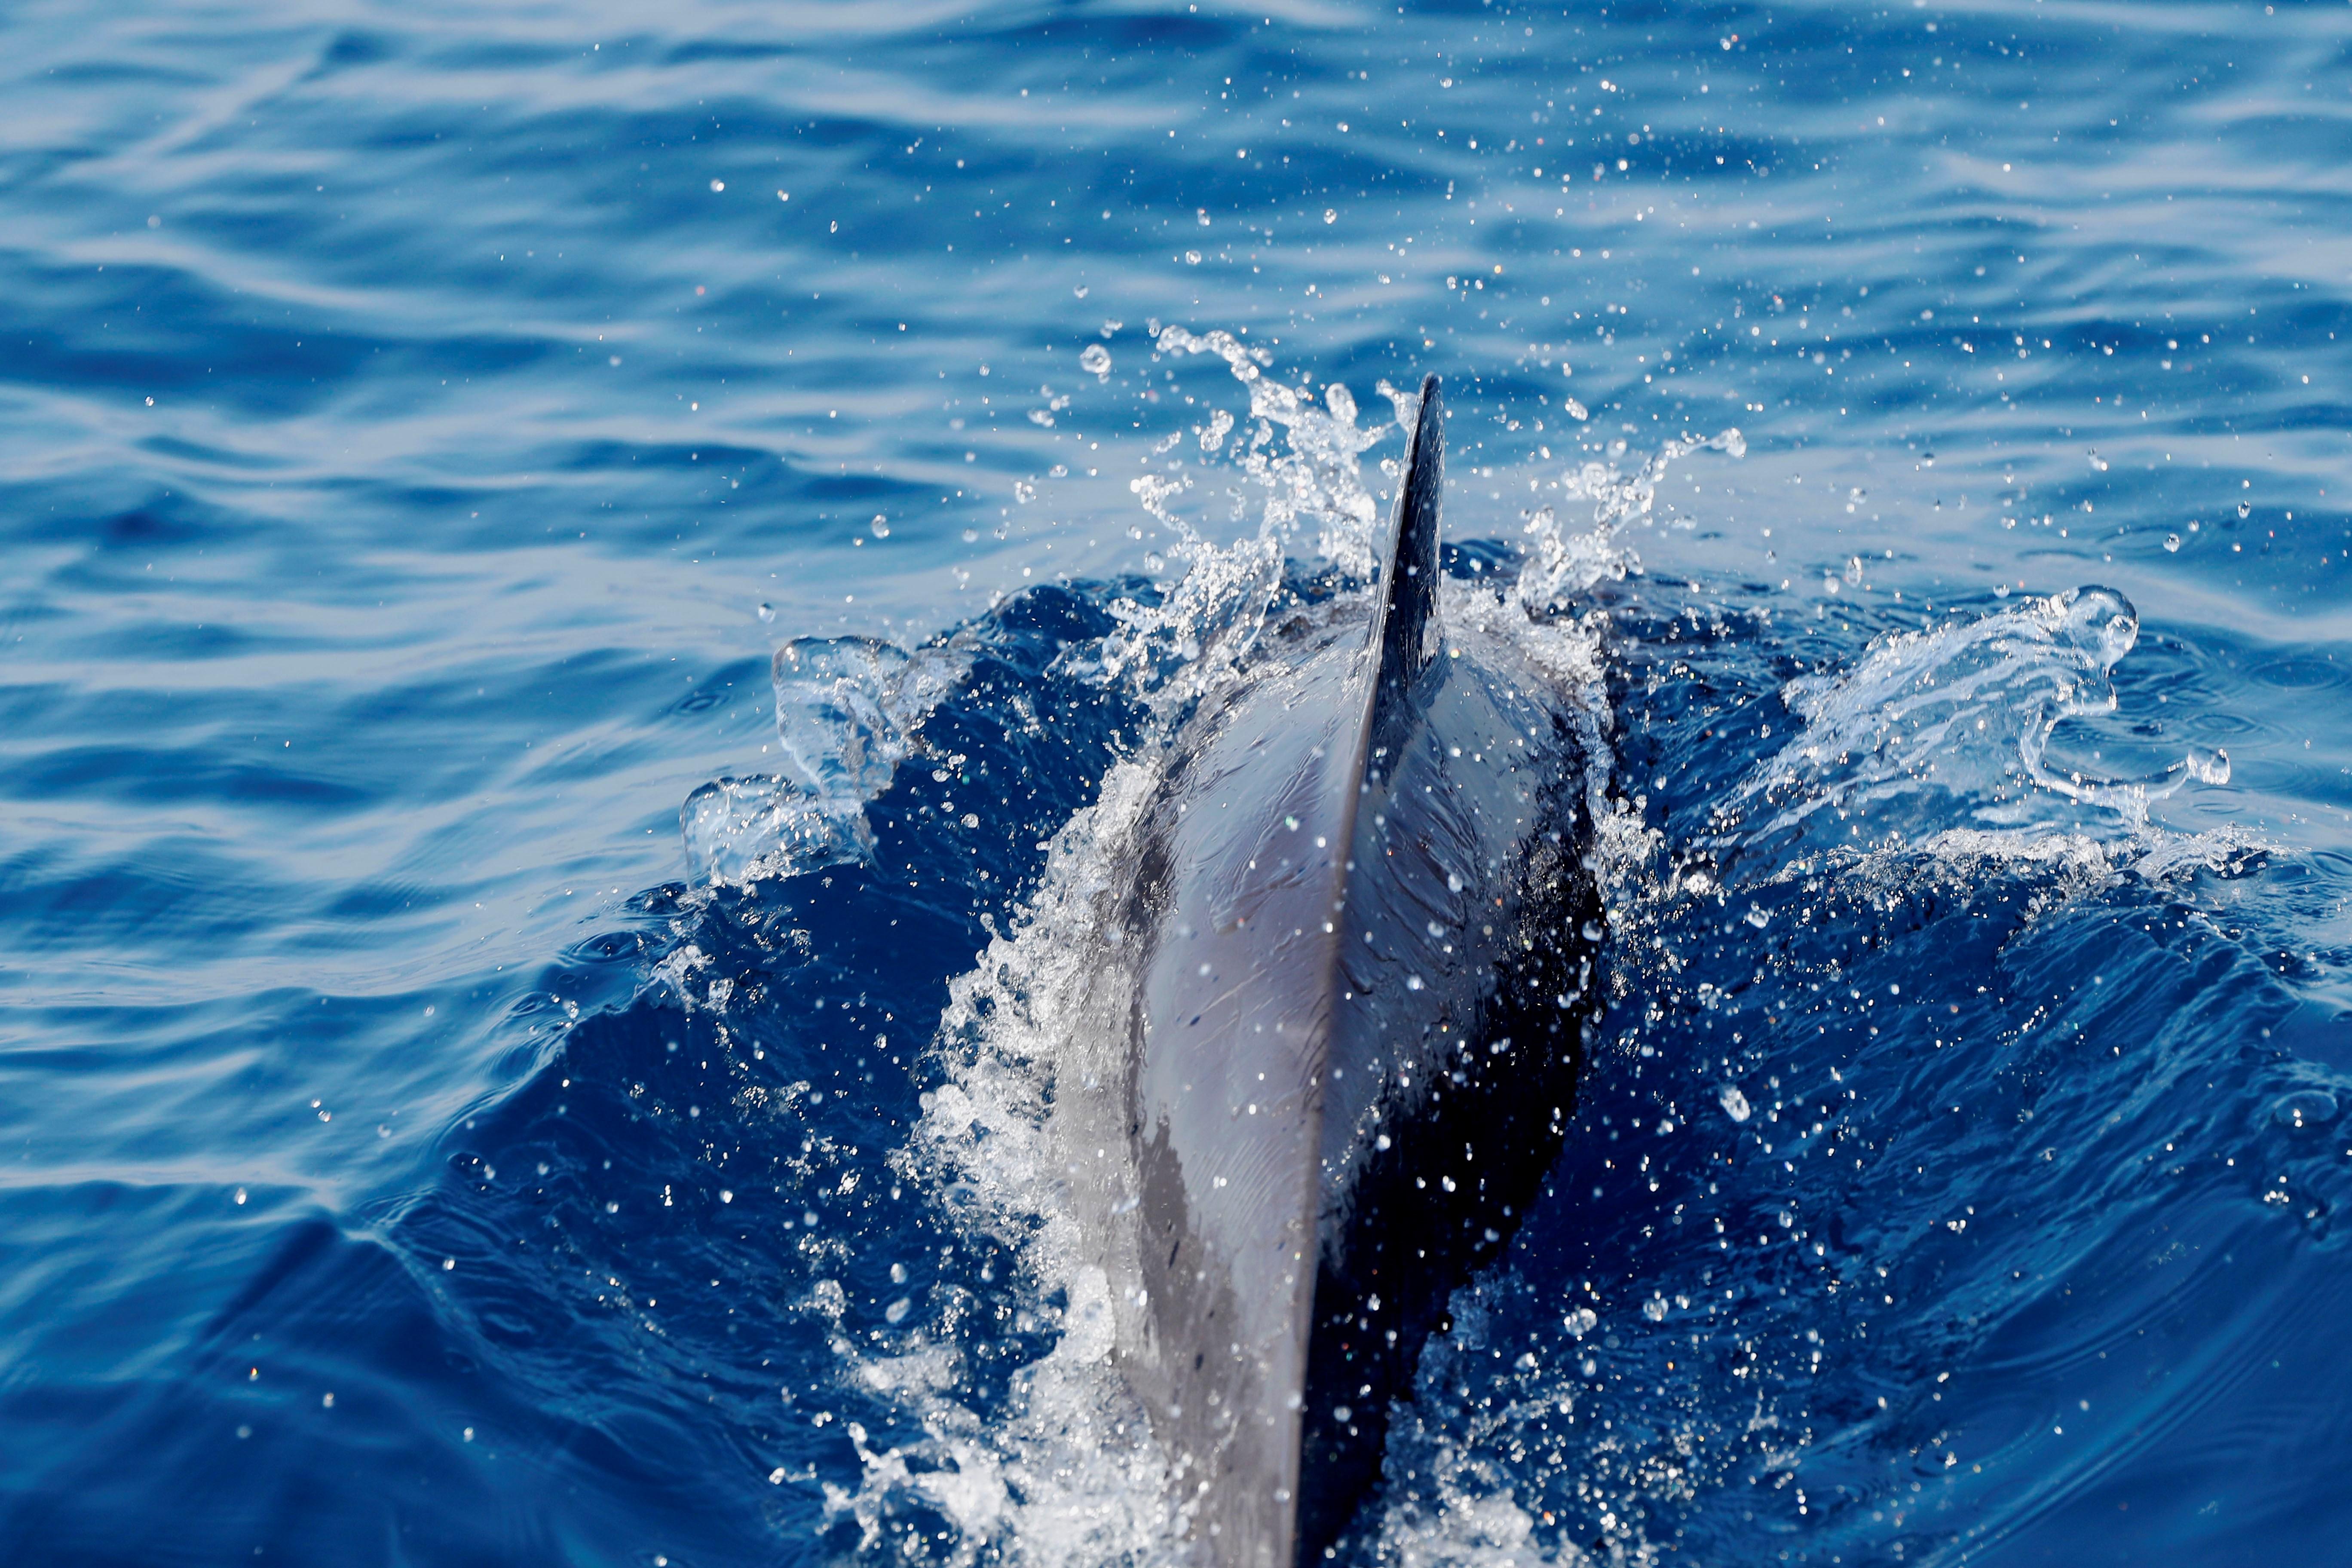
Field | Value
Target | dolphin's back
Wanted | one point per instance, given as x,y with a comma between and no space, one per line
1359,877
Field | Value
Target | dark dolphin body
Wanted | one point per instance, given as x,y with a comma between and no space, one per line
1348,959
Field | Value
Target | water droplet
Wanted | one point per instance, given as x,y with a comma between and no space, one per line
718,185
1735,1104
2172,543
2101,622
880,525
1097,360
1758,918
2245,509
2304,1108
896,1312
767,613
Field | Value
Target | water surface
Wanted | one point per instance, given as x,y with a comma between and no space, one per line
422,424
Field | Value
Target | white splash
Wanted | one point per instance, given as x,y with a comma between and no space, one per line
1954,725
1299,464
847,712
1315,477
1070,1478
741,829
1203,629
1564,562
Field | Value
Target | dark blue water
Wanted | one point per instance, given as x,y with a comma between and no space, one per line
421,426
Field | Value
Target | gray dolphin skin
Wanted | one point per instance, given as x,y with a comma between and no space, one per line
1348,975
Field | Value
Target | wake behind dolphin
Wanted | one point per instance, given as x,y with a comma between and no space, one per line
1339,1005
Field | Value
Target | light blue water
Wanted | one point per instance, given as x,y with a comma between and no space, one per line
407,413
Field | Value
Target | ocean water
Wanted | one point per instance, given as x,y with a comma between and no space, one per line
590,590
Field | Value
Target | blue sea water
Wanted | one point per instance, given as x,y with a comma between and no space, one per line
444,1123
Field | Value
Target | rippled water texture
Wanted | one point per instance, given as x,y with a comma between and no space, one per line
424,426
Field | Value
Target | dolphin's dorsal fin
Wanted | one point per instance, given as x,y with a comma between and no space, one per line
1406,625
1404,604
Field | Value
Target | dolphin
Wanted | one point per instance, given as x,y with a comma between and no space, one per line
1347,982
